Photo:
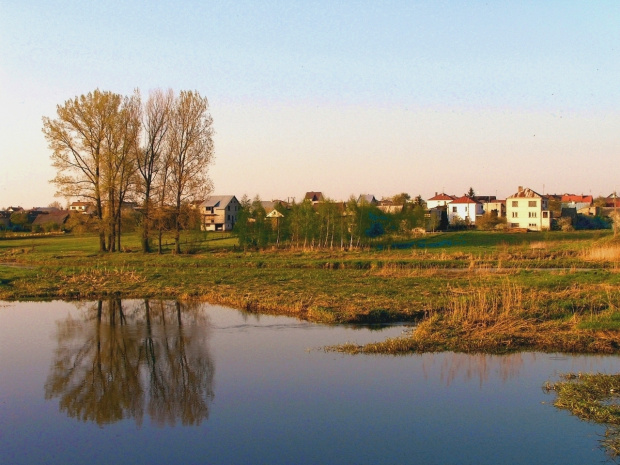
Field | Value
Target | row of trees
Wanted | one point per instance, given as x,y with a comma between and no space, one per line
110,148
328,224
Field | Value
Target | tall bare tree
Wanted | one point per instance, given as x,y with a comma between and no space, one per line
190,152
122,148
151,157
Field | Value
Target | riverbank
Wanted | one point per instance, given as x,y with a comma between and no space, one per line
472,291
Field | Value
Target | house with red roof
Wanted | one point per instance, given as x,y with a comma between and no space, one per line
576,201
439,200
82,207
464,208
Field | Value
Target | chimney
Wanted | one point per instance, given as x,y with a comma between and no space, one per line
520,188
435,193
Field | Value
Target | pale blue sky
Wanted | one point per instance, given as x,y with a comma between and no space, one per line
341,97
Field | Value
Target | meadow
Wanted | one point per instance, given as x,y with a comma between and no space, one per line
465,291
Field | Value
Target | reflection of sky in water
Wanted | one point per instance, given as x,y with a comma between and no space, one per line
278,398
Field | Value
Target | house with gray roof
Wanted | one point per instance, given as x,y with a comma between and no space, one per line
219,212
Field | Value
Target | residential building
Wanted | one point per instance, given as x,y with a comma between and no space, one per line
53,218
387,206
576,201
464,208
5,219
219,212
439,200
612,200
367,199
529,210
314,197
82,207
497,206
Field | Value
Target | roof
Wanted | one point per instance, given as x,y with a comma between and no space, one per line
367,198
314,196
526,193
577,198
275,214
217,201
58,217
443,196
485,198
464,199
81,204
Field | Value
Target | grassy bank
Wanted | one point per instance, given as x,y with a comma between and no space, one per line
470,291
592,397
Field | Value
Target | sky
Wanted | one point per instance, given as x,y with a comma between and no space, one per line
347,98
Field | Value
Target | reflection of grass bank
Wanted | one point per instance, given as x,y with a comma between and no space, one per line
491,292
592,397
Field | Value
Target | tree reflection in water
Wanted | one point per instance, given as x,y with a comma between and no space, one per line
122,358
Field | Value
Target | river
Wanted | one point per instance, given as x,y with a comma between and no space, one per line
157,382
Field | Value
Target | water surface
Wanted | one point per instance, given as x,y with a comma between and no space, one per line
163,382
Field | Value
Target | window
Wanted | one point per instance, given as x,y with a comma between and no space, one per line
453,209
533,225
514,225
545,214
515,214
533,214
531,203
515,203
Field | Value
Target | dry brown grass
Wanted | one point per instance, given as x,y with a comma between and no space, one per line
609,253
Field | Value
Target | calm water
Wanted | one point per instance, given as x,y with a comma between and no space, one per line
160,382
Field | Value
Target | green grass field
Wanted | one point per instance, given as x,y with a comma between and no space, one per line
470,291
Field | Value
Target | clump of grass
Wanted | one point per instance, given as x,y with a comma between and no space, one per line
592,397
606,253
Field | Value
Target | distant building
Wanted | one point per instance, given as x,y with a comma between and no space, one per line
314,197
439,200
58,218
219,212
270,205
497,206
464,208
387,206
367,199
82,207
529,210
576,201
5,219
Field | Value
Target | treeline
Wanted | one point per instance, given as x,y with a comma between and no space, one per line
329,224
108,148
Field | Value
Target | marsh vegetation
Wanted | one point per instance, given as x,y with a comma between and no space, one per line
469,291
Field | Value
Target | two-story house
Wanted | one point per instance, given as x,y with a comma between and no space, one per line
219,212
439,200
464,208
529,210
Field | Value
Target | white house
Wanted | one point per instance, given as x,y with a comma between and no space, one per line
82,207
219,212
528,210
464,208
439,200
